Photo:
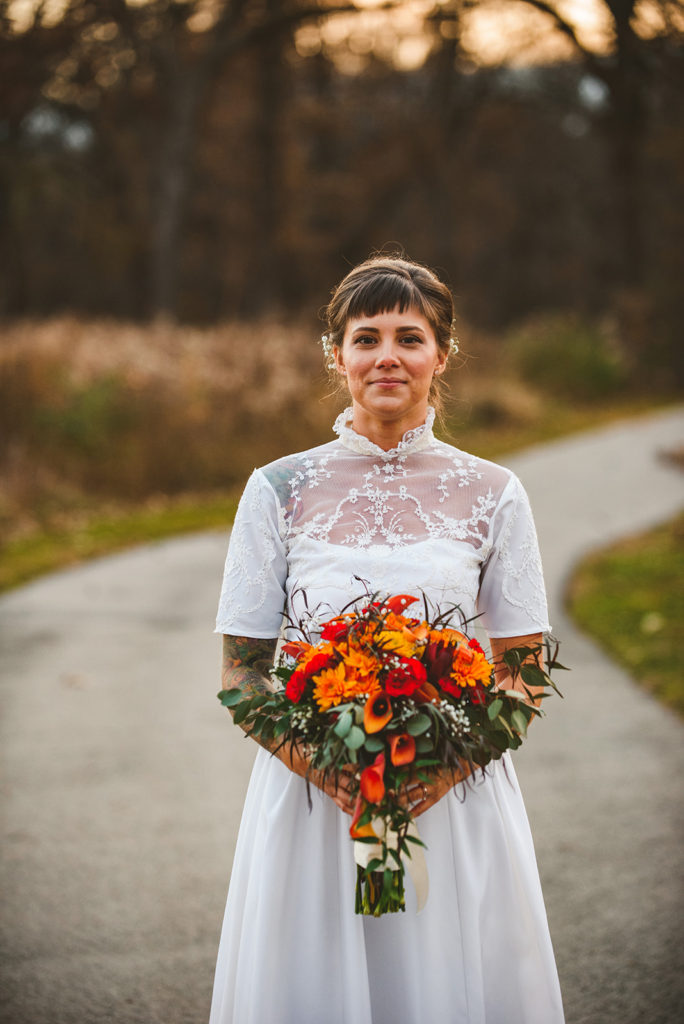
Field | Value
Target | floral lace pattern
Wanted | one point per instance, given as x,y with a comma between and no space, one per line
424,515
412,441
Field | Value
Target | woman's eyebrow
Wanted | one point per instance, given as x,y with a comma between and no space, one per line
376,330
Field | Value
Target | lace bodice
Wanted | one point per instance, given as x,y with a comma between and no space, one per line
424,515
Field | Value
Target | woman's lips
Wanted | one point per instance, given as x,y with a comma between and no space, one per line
387,382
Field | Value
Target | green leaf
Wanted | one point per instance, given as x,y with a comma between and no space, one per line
355,738
533,676
241,711
418,725
519,721
494,709
343,725
374,744
281,726
423,745
229,698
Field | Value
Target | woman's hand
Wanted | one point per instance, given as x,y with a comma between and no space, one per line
419,796
339,790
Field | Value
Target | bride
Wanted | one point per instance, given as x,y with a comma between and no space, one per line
389,503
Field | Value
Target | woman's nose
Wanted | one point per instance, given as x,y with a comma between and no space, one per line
386,354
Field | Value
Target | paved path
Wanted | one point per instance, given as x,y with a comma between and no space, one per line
122,779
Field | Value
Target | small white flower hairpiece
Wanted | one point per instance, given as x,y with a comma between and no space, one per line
326,342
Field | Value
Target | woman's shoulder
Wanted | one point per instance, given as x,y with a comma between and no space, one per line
474,467
307,465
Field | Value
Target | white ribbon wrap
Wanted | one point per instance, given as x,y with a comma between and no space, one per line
364,853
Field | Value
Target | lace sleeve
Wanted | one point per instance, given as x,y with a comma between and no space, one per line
253,592
512,599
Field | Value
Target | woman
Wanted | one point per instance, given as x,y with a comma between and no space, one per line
390,504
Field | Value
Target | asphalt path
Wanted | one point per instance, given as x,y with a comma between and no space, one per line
123,779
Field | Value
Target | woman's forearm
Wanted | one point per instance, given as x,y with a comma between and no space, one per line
245,666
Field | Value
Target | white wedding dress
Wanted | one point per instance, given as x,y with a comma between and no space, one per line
424,517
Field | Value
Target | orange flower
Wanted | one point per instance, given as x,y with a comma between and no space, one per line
403,748
372,782
425,693
329,688
470,667
359,831
295,648
377,712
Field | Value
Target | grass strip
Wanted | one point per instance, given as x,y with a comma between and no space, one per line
96,534
100,529
629,598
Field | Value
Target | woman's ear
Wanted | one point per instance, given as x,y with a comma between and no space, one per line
339,362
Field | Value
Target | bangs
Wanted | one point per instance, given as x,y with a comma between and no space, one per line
382,293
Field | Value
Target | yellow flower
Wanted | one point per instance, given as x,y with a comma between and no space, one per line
398,642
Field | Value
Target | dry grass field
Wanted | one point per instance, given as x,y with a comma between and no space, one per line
113,432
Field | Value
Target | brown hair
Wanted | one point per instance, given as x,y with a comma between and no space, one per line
379,285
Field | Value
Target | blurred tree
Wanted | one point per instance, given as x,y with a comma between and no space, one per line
627,71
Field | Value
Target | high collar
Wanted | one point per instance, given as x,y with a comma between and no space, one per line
412,441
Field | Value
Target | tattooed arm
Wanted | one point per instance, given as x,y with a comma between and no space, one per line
245,666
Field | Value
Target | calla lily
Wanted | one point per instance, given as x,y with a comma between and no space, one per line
295,648
427,692
377,712
398,603
360,831
402,749
372,782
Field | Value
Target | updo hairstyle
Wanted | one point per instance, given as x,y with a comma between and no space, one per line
379,285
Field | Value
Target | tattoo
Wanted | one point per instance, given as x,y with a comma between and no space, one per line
245,666
246,663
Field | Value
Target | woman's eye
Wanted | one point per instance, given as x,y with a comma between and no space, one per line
365,339
411,339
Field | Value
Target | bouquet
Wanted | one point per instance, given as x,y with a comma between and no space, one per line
391,698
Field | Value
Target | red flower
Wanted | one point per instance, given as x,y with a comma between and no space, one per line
476,645
406,678
372,782
439,659
477,694
315,664
403,749
334,629
450,685
398,603
296,685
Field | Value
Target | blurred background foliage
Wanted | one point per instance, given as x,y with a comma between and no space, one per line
182,182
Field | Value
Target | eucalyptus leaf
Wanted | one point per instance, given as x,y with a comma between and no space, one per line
373,744
519,721
494,709
418,725
229,698
423,745
343,725
355,738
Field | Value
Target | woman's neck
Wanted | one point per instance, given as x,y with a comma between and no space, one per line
386,433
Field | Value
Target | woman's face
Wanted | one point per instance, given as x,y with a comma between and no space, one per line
389,361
